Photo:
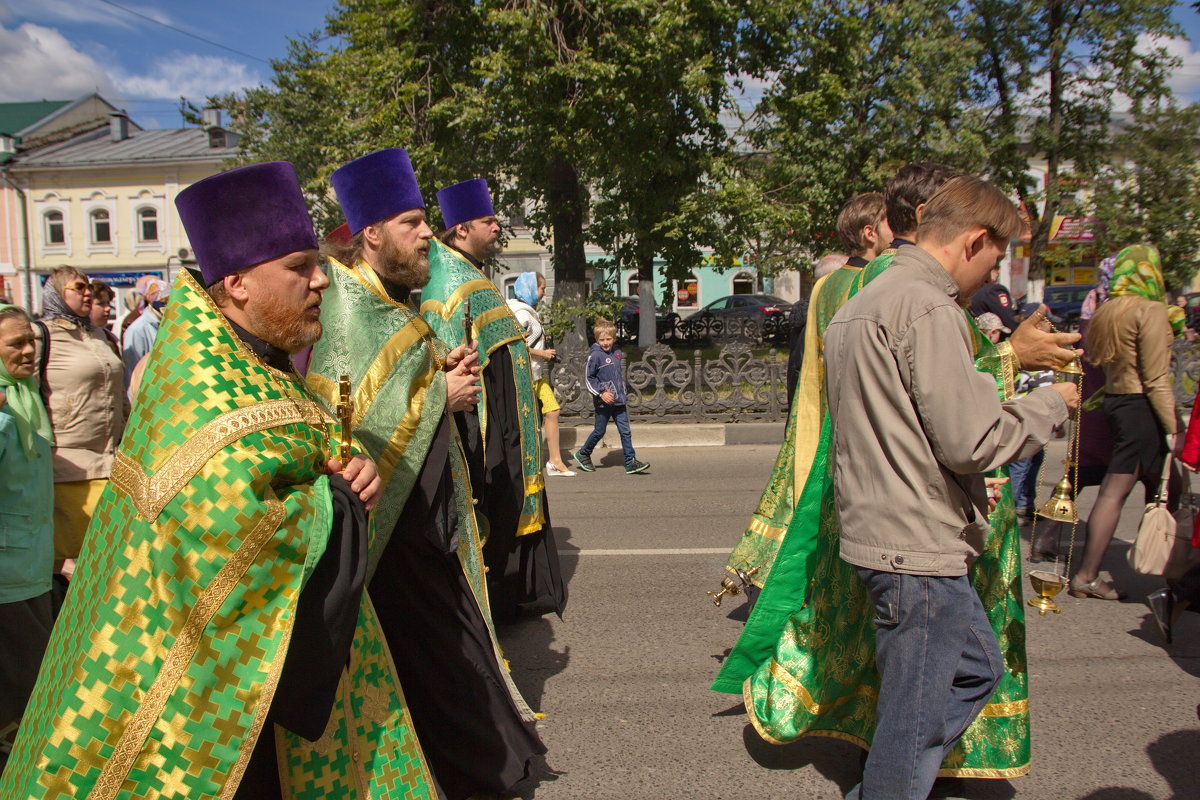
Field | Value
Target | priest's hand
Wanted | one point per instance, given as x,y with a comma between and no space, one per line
463,352
462,385
362,476
1037,348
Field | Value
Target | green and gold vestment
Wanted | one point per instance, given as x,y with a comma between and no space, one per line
398,391
453,279
771,518
820,678
167,654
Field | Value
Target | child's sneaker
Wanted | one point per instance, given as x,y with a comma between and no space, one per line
584,461
635,466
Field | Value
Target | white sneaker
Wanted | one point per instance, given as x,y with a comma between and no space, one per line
555,471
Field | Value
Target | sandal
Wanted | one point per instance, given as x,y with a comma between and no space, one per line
1096,588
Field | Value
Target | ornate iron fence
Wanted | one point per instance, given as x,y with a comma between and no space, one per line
700,330
734,385
666,386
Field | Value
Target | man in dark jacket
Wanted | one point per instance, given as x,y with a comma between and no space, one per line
994,297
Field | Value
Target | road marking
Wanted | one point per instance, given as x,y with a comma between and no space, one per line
646,551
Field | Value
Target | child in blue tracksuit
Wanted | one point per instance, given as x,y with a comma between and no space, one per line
607,385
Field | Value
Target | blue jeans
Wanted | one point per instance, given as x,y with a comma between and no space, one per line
938,664
1023,478
619,414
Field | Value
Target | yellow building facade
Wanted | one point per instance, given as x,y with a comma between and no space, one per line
104,202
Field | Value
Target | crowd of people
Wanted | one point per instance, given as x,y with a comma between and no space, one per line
223,574
884,555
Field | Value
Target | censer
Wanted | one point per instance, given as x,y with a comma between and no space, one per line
1060,507
731,589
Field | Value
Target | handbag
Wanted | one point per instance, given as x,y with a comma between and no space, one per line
1161,548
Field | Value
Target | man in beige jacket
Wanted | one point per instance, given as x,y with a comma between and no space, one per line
915,425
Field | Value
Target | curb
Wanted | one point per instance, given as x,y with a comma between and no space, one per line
677,434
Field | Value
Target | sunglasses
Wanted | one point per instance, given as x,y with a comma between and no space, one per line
79,286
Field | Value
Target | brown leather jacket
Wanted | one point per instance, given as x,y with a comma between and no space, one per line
1142,364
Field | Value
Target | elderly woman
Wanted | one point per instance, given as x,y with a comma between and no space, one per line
26,527
85,386
139,338
1130,336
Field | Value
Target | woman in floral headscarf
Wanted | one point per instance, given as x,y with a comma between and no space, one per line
1130,336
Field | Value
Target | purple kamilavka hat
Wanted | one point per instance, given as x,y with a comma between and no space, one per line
463,202
245,216
377,186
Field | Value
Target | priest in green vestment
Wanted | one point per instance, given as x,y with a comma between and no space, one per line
504,438
862,229
216,641
806,657
408,393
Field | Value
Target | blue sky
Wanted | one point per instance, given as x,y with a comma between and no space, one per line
62,49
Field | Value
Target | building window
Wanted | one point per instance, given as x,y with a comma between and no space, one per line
743,283
147,225
632,284
101,227
56,232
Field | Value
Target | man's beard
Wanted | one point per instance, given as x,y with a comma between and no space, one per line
402,265
277,324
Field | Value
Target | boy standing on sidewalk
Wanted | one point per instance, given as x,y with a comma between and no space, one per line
607,385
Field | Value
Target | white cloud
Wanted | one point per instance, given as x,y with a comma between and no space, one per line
1184,80
39,63
187,75
78,12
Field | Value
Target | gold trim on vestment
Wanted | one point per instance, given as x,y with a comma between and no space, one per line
766,530
1009,709
183,650
403,433
260,717
978,772
1009,364
796,688
807,398
151,493
416,329
446,310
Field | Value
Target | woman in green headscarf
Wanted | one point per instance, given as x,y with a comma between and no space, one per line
26,525
1130,336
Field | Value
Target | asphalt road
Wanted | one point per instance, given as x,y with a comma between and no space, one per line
623,678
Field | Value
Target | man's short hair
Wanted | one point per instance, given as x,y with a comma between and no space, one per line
862,210
449,235
604,326
965,202
913,185
829,263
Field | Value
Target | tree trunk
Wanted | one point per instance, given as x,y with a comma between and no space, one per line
647,327
565,196
1043,223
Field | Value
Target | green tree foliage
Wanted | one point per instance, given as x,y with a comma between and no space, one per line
1151,190
863,88
1049,74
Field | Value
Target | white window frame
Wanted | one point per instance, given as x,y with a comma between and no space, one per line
143,200
101,202
691,276
44,206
